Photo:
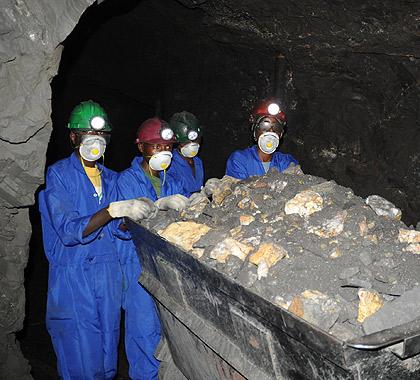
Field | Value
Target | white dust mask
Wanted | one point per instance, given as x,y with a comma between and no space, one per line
190,150
92,147
160,161
268,142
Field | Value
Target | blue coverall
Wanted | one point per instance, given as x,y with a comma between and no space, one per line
246,163
142,326
85,278
182,170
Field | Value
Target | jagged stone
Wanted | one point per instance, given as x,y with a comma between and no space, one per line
229,247
246,220
224,189
305,203
336,252
316,308
409,236
330,228
402,310
267,255
413,248
293,169
370,302
184,234
247,203
383,207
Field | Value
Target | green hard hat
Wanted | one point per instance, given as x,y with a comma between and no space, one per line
89,116
185,126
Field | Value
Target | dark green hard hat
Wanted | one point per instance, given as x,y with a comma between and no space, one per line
185,126
89,116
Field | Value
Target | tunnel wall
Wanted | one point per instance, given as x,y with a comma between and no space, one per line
30,34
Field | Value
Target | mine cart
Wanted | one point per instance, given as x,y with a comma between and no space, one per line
217,329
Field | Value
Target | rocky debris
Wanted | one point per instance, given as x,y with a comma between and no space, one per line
370,303
184,234
403,309
330,227
246,220
305,244
293,169
305,203
228,247
266,256
223,189
316,308
382,207
411,237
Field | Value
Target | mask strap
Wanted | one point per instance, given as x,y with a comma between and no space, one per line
164,177
103,165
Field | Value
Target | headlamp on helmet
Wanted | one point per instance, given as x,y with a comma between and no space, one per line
89,116
186,127
166,133
192,135
155,131
273,109
267,115
97,123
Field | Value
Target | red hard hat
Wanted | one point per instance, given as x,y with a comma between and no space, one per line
155,131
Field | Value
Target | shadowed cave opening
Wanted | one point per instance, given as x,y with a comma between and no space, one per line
141,58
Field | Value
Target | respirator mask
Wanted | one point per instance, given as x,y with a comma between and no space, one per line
190,150
92,147
268,142
160,161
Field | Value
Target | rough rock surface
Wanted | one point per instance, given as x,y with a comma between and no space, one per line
335,266
30,34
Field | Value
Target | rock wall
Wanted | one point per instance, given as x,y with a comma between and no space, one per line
30,36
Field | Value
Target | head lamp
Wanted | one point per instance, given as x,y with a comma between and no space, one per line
192,135
97,123
273,109
166,133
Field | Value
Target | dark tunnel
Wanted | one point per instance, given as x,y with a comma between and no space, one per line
352,109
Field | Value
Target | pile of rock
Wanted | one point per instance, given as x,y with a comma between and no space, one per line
345,264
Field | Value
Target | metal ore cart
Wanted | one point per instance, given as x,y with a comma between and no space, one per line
217,329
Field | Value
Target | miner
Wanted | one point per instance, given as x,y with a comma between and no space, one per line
186,165
147,177
267,126
79,211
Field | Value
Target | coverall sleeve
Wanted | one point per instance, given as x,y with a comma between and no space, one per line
115,223
67,219
235,167
126,184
